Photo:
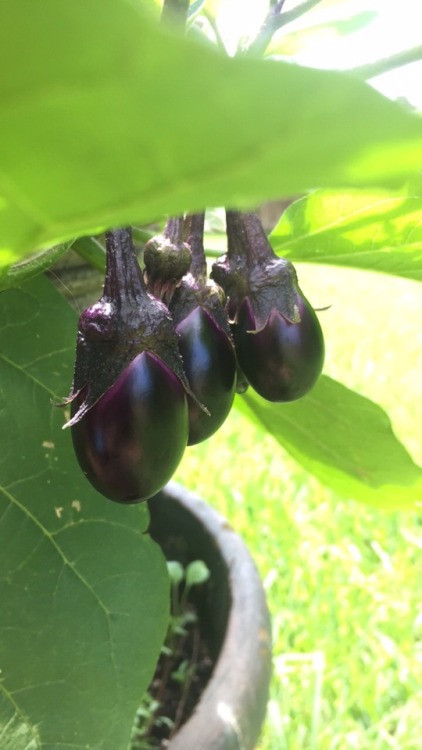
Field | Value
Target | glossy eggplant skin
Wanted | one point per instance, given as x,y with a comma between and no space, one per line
210,364
131,441
283,360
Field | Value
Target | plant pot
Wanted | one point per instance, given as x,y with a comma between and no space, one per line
234,616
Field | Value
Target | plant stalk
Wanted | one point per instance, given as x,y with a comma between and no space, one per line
124,283
246,237
194,236
173,229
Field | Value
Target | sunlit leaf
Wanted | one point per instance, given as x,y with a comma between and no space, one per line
370,230
131,123
345,440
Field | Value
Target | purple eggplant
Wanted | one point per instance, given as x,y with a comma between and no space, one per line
283,360
278,338
129,414
210,366
205,341
132,440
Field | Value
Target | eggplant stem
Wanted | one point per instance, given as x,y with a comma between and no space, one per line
194,236
124,282
246,238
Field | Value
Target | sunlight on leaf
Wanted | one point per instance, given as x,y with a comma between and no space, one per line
371,230
345,440
109,125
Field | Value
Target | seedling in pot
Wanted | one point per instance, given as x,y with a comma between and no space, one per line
184,665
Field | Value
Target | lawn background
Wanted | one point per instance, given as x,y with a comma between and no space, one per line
343,581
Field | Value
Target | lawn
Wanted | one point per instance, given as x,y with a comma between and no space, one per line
343,581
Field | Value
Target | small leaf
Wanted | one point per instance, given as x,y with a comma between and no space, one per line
175,571
376,231
197,572
345,440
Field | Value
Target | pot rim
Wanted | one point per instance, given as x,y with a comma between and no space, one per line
231,710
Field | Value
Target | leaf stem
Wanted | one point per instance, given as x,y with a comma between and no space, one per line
216,31
275,20
398,60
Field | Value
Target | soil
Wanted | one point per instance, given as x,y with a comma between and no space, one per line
181,675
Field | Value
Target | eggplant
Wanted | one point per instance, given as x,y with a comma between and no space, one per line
210,366
129,414
131,441
282,361
278,339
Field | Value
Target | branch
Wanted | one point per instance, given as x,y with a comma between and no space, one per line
387,63
276,20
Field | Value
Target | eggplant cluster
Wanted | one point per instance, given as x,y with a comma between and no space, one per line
155,366
161,355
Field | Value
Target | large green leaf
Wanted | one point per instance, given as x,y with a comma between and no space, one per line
83,589
345,440
374,230
107,119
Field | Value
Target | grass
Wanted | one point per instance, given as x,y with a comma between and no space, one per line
343,581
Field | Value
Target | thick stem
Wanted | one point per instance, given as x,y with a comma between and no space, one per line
246,237
124,282
175,13
276,20
173,229
194,236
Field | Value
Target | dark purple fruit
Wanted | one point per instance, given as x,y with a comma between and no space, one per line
131,441
210,366
283,360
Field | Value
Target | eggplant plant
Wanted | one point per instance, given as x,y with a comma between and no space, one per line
134,123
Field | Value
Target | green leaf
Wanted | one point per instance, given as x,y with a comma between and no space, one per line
376,231
17,274
175,571
83,590
131,123
345,440
197,572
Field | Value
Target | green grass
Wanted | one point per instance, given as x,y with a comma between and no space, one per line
343,581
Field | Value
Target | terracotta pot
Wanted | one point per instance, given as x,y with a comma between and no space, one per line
234,616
